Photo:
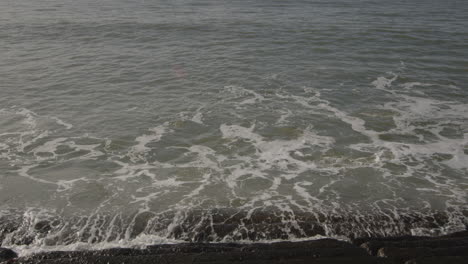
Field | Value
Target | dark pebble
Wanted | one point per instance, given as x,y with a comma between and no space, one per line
7,254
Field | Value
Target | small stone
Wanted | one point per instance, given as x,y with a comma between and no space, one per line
7,254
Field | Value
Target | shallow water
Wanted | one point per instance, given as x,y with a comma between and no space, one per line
133,122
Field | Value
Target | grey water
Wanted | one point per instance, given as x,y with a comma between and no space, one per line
150,121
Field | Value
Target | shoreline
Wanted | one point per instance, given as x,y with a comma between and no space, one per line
220,225
452,248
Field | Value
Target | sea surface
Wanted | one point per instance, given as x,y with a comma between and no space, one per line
128,123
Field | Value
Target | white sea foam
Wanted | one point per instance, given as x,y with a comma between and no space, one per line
143,140
63,123
276,154
383,83
198,118
285,114
49,146
410,85
138,151
30,117
242,92
24,172
140,242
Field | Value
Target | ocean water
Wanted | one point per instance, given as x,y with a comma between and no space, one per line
129,123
